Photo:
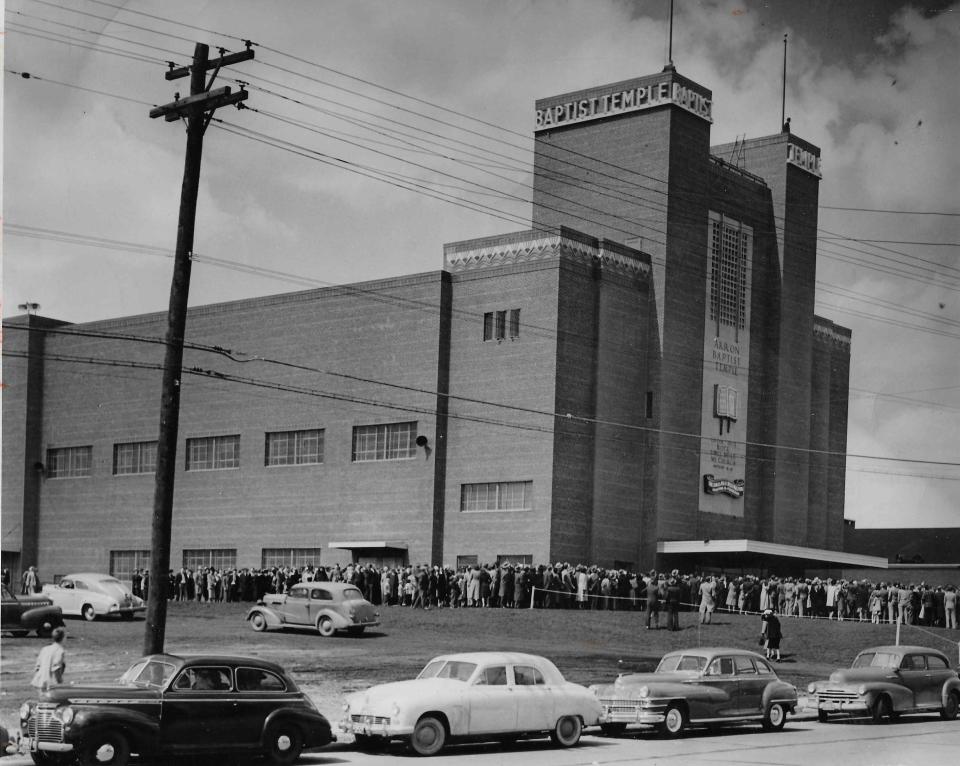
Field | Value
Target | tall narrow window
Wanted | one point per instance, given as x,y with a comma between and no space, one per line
729,250
501,331
488,326
514,323
648,405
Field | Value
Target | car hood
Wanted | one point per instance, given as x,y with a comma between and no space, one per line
401,691
861,675
64,694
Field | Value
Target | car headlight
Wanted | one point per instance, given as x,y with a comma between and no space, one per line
812,688
24,711
862,689
66,714
643,692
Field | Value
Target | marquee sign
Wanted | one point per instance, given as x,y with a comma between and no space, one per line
803,159
714,486
591,105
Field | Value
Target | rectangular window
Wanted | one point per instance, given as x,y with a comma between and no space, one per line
289,557
69,462
213,453
514,558
465,562
134,457
514,323
497,496
501,329
648,405
488,326
729,249
294,447
390,441
218,558
123,563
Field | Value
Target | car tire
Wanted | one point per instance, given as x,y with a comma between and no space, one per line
108,748
429,736
88,612
613,729
881,709
45,630
325,627
284,743
775,717
567,731
674,722
823,716
258,622
949,711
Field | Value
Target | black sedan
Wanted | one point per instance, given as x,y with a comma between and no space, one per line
21,614
166,706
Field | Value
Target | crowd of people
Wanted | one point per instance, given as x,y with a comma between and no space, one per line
567,586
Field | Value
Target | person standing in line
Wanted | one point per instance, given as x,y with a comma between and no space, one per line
771,633
51,662
30,583
707,595
653,602
950,607
673,604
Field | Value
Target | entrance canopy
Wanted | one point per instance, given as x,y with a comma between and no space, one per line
389,553
734,555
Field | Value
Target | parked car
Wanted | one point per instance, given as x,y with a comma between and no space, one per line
90,595
21,614
166,706
326,606
886,681
478,695
697,687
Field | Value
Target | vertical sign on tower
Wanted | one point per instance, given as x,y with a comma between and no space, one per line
726,366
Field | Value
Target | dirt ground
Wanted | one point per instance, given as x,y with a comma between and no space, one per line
587,646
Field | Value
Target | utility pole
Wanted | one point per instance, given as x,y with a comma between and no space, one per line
196,110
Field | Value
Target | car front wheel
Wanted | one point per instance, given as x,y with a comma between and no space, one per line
325,627
567,731
881,709
110,748
284,744
673,722
258,622
775,717
428,736
45,630
88,612
949,711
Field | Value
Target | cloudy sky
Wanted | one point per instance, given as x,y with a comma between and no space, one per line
386,128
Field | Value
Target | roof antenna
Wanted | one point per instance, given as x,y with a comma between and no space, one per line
783,98
669,67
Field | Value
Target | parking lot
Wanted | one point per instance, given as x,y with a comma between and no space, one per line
587,646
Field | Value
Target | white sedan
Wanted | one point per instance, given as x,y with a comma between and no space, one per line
90,595
476,695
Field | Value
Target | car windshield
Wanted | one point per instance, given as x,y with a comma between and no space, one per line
673,662
877,660
350,594
148,673
458,671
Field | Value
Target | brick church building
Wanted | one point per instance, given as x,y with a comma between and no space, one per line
638,380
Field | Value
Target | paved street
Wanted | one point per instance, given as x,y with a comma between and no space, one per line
922,740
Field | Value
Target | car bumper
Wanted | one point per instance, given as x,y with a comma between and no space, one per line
373,726
858,705
33,745
636,716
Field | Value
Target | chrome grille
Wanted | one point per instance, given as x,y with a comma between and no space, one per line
371,720
619,705
42,725
835,695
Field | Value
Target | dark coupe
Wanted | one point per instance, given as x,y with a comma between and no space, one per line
21,614
166,706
